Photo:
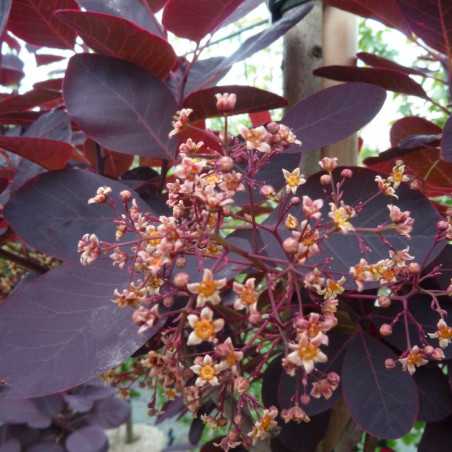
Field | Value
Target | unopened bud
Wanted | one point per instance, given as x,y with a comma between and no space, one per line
384,301
272,127
267,191
290,245
125,195
390,363
438,354
180,261
385,329
225,164
442,225
325,179
305,399
168,302
414,267
226,102
295,200
347,173
181,280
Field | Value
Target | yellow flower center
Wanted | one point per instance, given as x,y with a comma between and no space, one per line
266,422
231,359
308,352
291,222
204,329
154,237
340,217
248,296
293,180
207,372
207,288
445,332
415,359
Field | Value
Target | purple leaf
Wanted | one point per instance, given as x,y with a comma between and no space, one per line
345,249
110,413
33,21
446,143
50,405
117,37
333,114
436,437
23,412
87,439
12,445
304,437
11,69
58,204
46,446
53,125
389,79
5,8
67,312
435,398
382,402
134,10
120,106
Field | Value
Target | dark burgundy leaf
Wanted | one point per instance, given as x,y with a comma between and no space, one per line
193,19
333,114
11,70
411,125
381,62
446,143
23,412
445,14
197,427
12,42
22,102
87,439
50,154
110,413
46,446
249,99
12,445
435,397
436,437
388,79
260,118
117,37
33,21
382,402
59,221
136,11
50,405
304,437
128,111
434,174
171,409
42,59
74,331
388,12
424,18
156,5
24,118
55,84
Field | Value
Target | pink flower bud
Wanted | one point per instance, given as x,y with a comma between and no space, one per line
347,173
414,267
438,354
385,329
267,191
181,280
125,195
226,102
428,349
168,302
442,225
180,261
295,200
390,363
225,164
384,301
290,245
325,179
305,399
273,127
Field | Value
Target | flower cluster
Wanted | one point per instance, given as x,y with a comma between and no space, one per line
219,311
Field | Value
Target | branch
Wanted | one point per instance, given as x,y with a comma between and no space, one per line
28,263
